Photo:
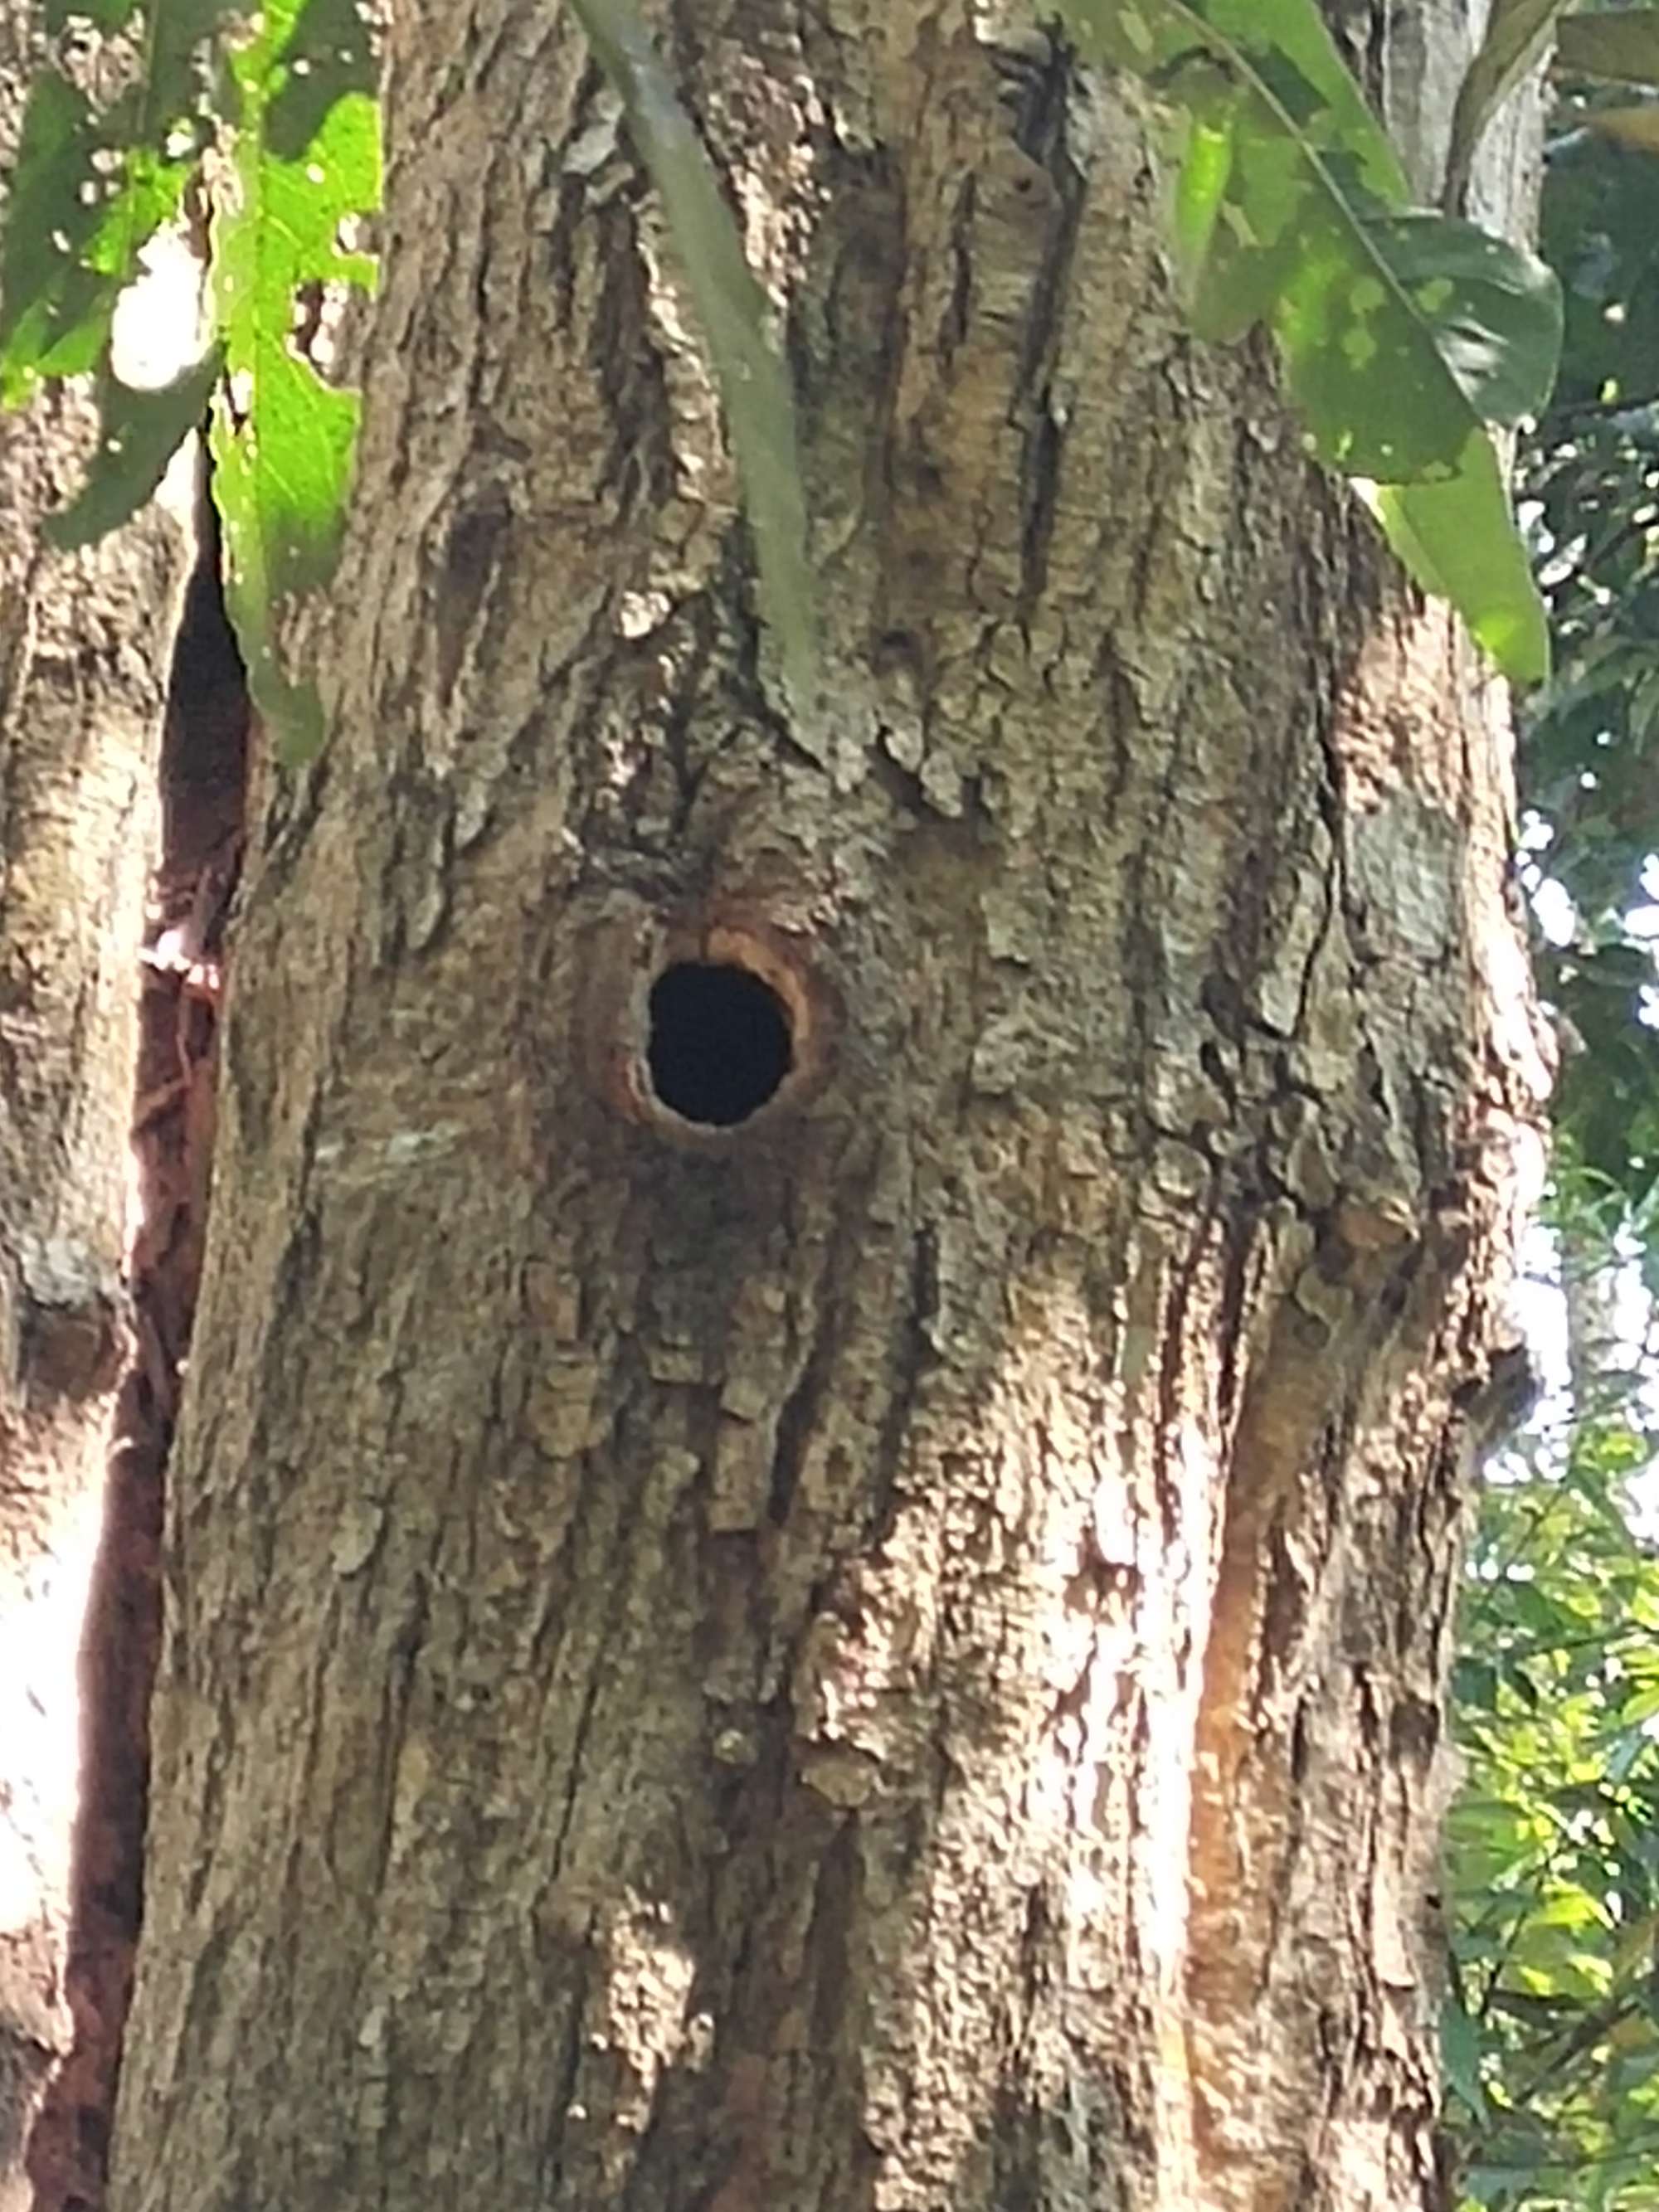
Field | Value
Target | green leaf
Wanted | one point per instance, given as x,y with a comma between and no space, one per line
1400,332
283,441
141,433
1496,313
1460,2055
327,54
1553,1846
48,296
1642,1707
1458,539
1517,32
90,190
1280,47
1622,47
296,89
732,309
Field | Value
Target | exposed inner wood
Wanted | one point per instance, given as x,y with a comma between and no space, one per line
203,773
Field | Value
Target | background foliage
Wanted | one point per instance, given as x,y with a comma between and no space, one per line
1551,2027
1590,481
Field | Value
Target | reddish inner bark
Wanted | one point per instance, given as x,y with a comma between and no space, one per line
203,778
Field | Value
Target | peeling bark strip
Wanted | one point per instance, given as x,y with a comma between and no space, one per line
853,1621
202,777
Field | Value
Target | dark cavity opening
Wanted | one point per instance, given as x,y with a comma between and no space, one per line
719,1042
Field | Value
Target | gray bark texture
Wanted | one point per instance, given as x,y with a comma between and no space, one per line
85,643
887,1655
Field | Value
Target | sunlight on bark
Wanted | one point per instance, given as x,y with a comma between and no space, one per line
43,1599
39,1702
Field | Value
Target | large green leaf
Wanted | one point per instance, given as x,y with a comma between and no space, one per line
1397,363
1456,539
1495,313
1401,332
732,309
283,439
1280,46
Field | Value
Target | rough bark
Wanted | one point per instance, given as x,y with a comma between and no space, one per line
888,1653
84,648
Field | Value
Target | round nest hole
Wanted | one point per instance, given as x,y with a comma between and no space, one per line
720,1041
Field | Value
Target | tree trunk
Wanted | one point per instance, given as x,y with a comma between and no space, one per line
84,652
875,1641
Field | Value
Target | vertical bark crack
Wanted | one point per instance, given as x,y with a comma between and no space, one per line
203,773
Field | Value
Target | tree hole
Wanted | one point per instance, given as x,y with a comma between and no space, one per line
719,1043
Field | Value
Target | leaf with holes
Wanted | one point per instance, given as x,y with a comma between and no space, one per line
92,188
283,441
327,56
